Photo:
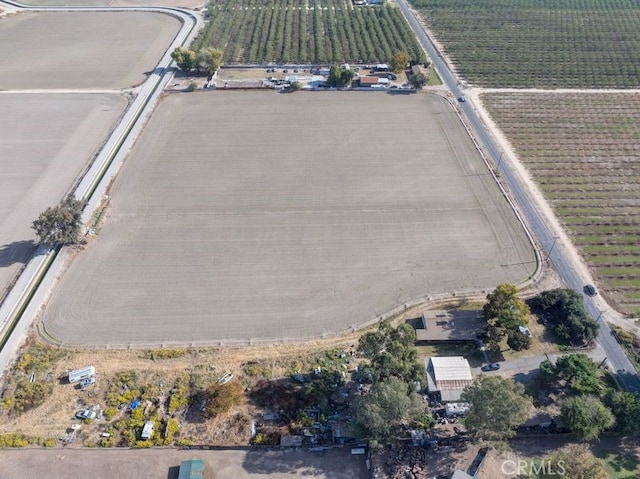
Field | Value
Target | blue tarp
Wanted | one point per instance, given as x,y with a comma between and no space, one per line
135,403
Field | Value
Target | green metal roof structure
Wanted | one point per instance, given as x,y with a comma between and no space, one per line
192,469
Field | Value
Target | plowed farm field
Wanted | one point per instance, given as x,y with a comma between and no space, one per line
97,50
258,216
46,142
584,152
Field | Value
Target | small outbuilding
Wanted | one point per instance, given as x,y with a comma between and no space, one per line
367,82
192,469
447,376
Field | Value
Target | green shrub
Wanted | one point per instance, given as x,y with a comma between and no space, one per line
252,369
110,413
40,358
157,354
50,442
184,442
170,431
29,395
13,440
179,398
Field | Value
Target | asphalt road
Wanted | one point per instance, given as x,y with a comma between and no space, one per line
538,222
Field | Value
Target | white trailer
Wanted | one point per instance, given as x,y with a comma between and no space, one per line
147,430
80,374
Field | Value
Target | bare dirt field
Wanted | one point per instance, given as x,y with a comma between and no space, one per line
193,4
164,463
46,142
82,49
246,216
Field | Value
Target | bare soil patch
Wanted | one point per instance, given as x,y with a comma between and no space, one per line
97,49
137,464
253,216
46,142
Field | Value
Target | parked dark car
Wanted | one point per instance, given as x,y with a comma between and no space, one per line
491,367
590,290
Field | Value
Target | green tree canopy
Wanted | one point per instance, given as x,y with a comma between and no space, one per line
184,58
579,372
340,77
566,315
504,311
626,409
380,415
573,461
60,225
586,416
497,406
418,80
208,60
399,61
517,340
391,352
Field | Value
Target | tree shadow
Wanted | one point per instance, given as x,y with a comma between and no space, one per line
16,252
619,461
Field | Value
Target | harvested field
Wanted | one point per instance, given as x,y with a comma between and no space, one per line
583,150
193,4
82,49
46,142
246,216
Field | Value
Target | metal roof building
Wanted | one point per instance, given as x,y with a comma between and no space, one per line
448,376
192,469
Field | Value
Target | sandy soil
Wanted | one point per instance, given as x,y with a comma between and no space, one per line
98,49
261,216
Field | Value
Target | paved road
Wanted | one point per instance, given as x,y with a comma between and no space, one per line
537,219
95,181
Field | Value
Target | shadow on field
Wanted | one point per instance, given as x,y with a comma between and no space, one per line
16,252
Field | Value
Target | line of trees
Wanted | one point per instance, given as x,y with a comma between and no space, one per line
206,60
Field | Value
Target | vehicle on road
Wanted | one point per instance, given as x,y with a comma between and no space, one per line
462,99
590,290
491,367
86,414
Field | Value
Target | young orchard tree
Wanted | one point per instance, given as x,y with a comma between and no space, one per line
60,225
